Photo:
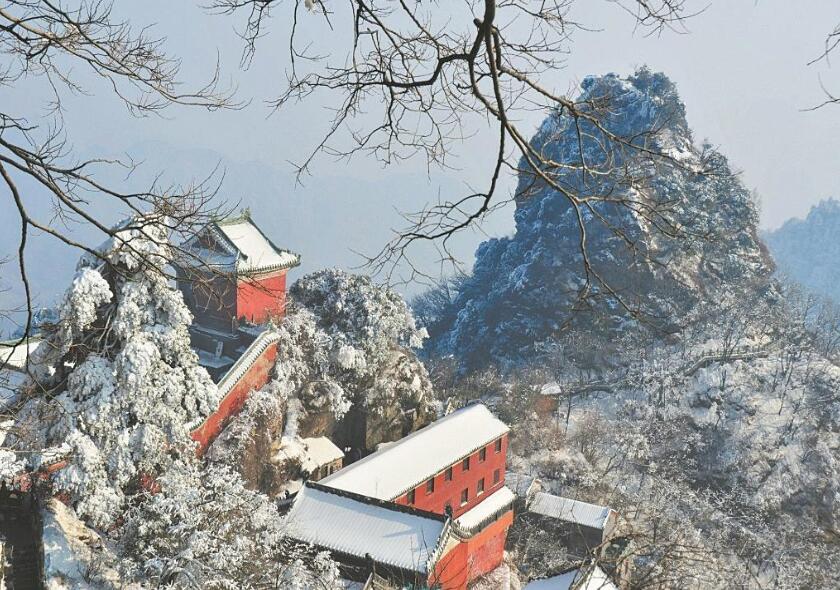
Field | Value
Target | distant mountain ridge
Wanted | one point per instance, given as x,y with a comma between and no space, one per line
808,250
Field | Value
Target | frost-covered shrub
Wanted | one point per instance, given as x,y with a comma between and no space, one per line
349,341
206,530
119,382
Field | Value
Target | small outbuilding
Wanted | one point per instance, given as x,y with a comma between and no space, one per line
582,527
321,457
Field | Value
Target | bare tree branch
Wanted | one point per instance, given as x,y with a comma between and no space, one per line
415,78
50,40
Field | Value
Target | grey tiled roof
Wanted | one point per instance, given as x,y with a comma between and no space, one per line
566,509
349,524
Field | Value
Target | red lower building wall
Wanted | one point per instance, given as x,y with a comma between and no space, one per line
450,491
259,299
473,557
256,377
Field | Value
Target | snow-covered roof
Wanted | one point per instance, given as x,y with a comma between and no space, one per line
244,245
592,578
566,509
349,524
495,502
390,472
320,451
522,484
551,388
256,252
244,363
14,354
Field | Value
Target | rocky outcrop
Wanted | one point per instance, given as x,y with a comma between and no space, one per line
75,556
667,225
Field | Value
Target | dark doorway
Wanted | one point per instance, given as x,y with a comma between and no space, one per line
20,530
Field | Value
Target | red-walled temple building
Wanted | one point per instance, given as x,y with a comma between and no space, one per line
437,496
233,279
233,274
451,472
451,465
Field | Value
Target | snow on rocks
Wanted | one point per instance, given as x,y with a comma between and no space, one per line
75,556
643,250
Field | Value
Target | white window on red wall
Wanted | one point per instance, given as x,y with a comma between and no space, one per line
479,489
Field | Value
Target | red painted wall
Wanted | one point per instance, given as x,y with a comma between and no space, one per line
259,299
256,377
473,557
450,491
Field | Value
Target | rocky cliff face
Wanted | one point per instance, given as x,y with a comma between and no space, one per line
656,224
808,251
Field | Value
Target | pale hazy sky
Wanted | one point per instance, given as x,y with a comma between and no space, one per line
740,69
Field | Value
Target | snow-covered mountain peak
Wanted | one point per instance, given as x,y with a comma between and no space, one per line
666,225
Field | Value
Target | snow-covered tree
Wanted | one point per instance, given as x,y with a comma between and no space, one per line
117,389
206,530
116,384
349,341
